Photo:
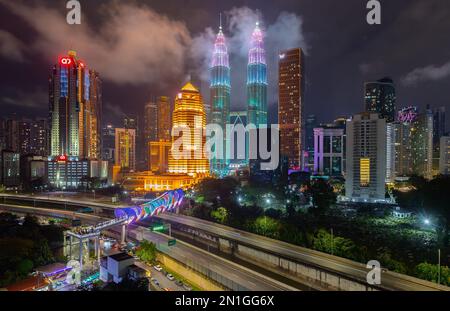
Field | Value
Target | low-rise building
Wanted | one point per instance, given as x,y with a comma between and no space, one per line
114,268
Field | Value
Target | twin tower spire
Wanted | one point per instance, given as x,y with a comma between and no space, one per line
220,86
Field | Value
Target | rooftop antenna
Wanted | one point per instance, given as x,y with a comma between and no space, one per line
220,16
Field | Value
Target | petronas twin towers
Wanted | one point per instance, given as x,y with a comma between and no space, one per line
220,86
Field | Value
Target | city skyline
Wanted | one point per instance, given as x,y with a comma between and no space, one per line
342,96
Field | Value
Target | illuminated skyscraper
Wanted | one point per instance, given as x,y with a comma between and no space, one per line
220,86
164,125
381,98
125,149
257,80
75,109
366,158
291,70
189,115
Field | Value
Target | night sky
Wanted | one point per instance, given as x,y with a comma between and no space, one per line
150,48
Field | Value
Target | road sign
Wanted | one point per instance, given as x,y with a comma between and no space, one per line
158,228
172,242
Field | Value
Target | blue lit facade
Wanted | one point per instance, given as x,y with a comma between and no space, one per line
257,80
220,87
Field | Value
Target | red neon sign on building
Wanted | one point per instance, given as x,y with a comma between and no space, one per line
66,61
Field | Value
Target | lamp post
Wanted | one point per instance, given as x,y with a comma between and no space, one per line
439,266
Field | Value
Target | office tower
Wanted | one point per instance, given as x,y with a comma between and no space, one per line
150,122
414,143
328,151
291,70
381,98
438,132
189,115
150,132
2,134
310,125
10,169
257,80
438,125
164,124
444,159
159,156
390,152
75,109
366,158
220,89
108,143
125,149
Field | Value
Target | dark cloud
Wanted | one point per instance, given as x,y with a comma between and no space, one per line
144,48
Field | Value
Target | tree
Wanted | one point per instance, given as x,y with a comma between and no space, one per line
220,215
323,195
335,245
267,226
430,272
147,251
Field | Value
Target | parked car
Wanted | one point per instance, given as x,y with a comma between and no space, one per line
187,287
157,268
155,281
179,283
170,276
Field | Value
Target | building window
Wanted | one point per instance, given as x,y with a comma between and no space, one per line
364,172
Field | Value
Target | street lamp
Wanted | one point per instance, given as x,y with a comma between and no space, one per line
427,221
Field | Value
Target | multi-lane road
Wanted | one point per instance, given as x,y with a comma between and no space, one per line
325,262
341,266
242,277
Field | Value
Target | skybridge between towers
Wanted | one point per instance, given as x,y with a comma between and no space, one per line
82,236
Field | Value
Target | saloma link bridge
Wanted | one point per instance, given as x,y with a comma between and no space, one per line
169,201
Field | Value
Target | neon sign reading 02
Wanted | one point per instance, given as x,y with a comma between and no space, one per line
66,61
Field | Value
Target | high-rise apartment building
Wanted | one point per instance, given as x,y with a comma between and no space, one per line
444,159
366,158
414,143
328,151
291,94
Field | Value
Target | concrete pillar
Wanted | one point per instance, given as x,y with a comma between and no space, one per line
123,236
81,254
70,247
99,250
88,253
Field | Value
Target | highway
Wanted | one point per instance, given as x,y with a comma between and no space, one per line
342,266
326,262
183,252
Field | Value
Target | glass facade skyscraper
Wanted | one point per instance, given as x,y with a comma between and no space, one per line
75,109
220,87
381,98
257,80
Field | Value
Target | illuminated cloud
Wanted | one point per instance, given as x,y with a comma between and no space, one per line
133,44
429,73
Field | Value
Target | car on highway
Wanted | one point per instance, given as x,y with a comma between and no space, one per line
170,276
158,268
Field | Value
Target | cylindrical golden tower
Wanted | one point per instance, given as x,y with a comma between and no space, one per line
189,119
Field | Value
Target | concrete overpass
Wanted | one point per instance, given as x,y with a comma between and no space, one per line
318,270
227,273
